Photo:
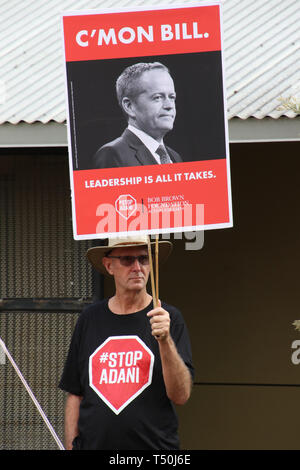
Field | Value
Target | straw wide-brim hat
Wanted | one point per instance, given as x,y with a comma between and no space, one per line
95,254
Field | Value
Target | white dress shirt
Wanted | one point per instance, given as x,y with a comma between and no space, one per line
151,144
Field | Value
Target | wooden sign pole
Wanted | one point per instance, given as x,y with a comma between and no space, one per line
154,284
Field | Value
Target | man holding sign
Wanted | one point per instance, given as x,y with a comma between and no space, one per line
146,94
128,362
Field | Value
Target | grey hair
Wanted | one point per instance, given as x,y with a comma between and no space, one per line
126,83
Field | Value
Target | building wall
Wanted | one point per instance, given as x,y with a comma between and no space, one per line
44,281
239,295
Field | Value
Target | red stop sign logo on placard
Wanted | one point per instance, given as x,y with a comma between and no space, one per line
125,205
120,369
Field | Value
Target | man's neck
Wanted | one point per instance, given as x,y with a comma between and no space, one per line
143,135
129,303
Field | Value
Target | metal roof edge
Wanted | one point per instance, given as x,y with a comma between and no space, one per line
264,130
54,134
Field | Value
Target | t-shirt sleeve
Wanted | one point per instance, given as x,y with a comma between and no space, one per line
70,379
180,335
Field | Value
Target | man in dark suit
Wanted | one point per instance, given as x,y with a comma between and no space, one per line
147,96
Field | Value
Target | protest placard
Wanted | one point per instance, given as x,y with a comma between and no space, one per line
168,66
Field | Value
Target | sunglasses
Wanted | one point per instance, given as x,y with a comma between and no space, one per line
128,260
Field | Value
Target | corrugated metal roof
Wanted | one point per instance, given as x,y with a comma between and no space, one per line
261,52
262,56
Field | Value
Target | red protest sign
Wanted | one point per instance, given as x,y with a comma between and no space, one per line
120,369
141,33
168,66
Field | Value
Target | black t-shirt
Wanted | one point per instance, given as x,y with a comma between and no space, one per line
114,364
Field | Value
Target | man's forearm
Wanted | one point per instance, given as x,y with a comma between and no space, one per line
71,419
177,377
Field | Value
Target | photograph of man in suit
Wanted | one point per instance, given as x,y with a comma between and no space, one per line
146,94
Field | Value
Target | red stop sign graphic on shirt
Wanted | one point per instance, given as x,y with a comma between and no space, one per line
120,369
